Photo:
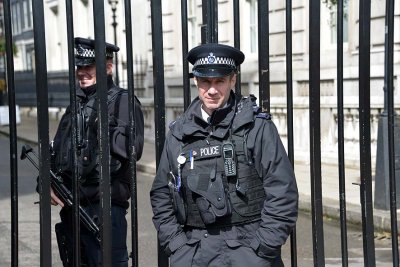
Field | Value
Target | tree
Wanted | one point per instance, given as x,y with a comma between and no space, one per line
3,47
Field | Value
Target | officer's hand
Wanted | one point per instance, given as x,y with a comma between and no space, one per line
54,199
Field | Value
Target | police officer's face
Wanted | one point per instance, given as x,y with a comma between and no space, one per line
214,92
86,75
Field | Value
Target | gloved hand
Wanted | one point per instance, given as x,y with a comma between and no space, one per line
114,124
55,200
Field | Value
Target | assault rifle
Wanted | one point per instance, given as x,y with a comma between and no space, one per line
63,192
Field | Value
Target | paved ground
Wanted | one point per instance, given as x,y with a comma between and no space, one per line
29,218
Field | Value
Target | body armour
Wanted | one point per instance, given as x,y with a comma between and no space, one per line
88,157
212,197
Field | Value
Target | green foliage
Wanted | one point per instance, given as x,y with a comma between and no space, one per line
333,4
3,46
330,3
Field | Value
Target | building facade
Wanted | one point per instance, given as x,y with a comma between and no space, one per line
57,60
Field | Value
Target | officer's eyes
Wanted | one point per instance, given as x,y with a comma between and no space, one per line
205,81
218,81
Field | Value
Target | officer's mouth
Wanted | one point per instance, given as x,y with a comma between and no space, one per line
214,100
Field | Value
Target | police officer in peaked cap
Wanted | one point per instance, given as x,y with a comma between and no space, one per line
88,157
84,51
214,60
225,193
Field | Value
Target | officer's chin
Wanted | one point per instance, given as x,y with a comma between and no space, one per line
85,85
212,107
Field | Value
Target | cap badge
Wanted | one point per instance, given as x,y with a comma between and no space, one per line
211,58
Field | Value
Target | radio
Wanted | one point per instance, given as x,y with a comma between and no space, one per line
228,154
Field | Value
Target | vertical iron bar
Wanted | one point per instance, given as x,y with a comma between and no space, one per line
76,171
114,25
341,165
115,42
13,133
132,132
104,149
213,20
43,131
263,55
389,32
289,98
236,37
365,132
204,25
209,33
315,134
159,94
158,75
185,64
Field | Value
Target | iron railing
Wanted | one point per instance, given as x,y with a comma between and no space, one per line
209,33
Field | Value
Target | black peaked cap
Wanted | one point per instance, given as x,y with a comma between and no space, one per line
85,53
214,60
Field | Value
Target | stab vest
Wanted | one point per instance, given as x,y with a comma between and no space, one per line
244,192
88,158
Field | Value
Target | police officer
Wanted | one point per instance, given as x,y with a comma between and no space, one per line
88,159
225,193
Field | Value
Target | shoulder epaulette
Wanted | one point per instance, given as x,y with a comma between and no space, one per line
264,115
171,124
256,109
114,92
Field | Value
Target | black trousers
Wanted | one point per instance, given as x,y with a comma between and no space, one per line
225,246
90,247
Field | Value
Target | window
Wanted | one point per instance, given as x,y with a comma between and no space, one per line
253,25
27,12
333,22
15,13
21,14
29,57
192,40
1,19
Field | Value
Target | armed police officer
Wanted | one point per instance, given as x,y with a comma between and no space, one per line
225,193
88,159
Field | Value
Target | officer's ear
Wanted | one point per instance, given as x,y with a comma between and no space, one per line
109,67
233,80
195,80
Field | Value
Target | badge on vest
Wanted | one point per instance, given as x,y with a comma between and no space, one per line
209,151
199,153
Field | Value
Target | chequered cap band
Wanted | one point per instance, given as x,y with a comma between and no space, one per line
212,59
89,53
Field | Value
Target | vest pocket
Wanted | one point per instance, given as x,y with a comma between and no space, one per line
206,213
211,200
178,204
184,255
250,203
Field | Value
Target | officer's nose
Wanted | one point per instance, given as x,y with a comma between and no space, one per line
212,90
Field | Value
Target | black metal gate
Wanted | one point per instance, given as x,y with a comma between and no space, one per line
209,33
